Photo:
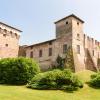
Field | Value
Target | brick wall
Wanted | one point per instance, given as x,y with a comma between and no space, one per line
9,42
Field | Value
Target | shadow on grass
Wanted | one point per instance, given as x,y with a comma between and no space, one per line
63,90
95,87
11,85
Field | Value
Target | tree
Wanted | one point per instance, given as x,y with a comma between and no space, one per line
98,63
69,61
60,62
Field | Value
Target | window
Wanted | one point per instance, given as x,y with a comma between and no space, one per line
10,32
78,36
40,53
64,48
66,22
31,47
78,49
93,52
31,54
77,23
50,51
4,35
5,30
16,35
50,43
6,45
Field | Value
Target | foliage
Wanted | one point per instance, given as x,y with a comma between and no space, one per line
17,70
65,62
69,61
98,63
23,93
59,63
95,80
56,79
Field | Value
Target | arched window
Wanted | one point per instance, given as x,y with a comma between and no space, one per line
16,35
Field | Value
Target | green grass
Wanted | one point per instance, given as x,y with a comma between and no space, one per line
23,93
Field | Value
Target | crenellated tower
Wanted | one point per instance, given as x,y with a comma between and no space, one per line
9,41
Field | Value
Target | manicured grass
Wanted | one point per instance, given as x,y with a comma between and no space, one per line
23,93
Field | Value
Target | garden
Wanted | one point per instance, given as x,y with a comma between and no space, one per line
21,79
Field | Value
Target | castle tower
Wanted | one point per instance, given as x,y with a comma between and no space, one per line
9,41
73,26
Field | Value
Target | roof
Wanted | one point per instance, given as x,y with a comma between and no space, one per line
41,43
10,26
72,15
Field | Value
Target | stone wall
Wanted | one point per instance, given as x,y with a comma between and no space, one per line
47,61
77,35
69,30
92,46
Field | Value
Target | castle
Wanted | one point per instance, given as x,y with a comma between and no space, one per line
69,33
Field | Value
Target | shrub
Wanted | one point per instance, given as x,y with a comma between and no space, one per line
65,62
56,79
95,80
69,61
17,70
60,62
98,63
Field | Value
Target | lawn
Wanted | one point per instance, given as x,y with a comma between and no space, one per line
23,93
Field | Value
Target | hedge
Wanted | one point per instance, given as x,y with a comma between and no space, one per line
17,70
56,79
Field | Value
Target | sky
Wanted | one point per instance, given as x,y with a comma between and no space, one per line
36,17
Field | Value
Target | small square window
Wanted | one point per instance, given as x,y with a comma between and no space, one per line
4,35
6,45
50,43
5,30
66,22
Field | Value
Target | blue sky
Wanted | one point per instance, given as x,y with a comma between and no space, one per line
36,17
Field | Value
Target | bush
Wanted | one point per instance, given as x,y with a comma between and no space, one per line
95,80
17,70
56,79
65,62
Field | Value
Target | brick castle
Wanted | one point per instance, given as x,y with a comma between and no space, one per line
69,33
